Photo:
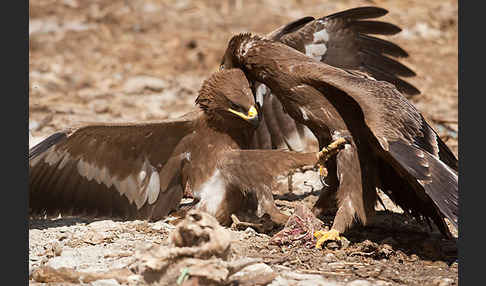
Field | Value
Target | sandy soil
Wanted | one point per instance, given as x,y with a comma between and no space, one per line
118,61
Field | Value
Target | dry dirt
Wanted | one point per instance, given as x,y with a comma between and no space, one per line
118,61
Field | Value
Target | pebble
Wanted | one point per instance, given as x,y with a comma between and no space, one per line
33,125
443,282
94,237
330,257
105,282
313,280
381,283
57,249
159,225
138,83
359,282
103,225
258,271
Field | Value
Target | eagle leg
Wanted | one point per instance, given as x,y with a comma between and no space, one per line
327,152
331,149
333,234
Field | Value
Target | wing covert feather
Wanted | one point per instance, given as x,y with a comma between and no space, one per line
120,170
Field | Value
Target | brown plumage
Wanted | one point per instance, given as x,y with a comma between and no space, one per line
391,146
141,170
343,40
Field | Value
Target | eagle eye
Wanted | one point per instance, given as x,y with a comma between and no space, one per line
235,107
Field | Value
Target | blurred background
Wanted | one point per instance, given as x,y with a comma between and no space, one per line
131,60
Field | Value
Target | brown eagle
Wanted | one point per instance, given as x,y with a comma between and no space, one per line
142,170
391,146
343,40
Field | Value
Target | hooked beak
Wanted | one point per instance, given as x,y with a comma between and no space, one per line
251,117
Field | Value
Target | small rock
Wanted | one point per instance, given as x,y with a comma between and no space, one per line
279,281
330,258
71,3
31,270
332,245
442,282
413,257
258,273
385,251
61,261
359,282
135,278
381,283
33,125
35,232
302,280
94,237
62,236
317,282
105,282
139,83
159,225
103,225
57,249
344,242
368,246
100,108
249,232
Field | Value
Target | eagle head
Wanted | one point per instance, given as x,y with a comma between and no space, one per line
236,50
226,96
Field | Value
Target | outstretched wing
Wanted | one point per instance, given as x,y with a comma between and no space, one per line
126,171
407,141
342,40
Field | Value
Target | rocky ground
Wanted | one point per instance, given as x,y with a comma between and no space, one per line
116,61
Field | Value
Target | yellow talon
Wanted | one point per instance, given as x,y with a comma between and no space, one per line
322,171
323,236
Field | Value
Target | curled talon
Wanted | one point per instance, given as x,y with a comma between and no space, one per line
322,171
324,236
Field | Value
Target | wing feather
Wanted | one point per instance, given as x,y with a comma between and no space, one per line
380,46
347,44
376,114
408,142
109,170
438,180
343,40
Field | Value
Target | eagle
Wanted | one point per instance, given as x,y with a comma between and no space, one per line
142,170
343,39
390,145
